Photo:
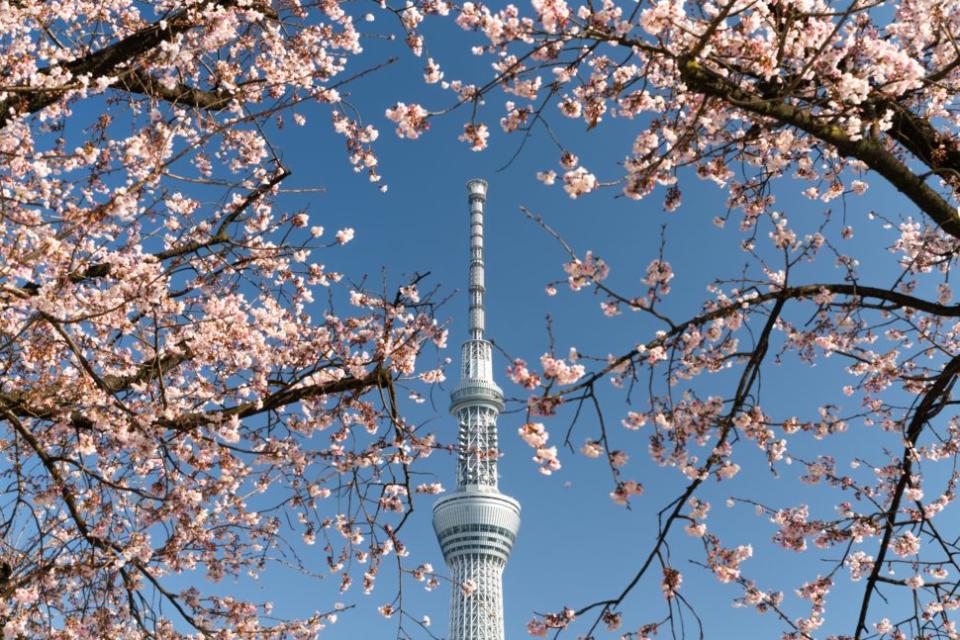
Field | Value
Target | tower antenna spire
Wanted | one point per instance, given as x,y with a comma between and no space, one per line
476,524
477,190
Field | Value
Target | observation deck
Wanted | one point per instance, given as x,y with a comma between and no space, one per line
476,520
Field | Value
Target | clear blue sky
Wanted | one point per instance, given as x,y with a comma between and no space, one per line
575,545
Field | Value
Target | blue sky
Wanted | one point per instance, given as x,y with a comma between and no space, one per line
575,545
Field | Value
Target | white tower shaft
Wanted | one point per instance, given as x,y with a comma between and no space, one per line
476,524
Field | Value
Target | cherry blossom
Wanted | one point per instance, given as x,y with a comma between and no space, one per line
559,370
411,120
163,377
475,135
672,579
140,185
578,182
345,235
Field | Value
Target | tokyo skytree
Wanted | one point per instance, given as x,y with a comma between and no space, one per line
476,524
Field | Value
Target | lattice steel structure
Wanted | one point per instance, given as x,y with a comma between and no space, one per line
476,524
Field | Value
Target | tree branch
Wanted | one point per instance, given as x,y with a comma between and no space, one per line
19,405
102,270
136,81
220,235
799,292
111,59
867,150
929,407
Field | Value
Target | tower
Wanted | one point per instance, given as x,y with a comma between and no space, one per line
476,524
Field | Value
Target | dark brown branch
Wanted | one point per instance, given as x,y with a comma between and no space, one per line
379,377
920,138
929,406
221,235
146,371
944,71
747,380
182,94
73,509
103,62
113,58
99,270
896,298
19,405
102,270
868,150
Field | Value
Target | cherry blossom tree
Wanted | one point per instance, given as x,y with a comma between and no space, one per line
165,378
761,98
164,374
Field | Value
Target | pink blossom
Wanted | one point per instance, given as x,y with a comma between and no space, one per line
546,457
659,273
906,545
345,235
915,581
520,374
583,272
468,587
634,420
553,14
592,449
537,628
547,177
534,434
725,563
944,293
433,376
613,620
432,73
476,135
26,596
671,582
860,564
578,182
411,120
563,373
624,490
618,458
